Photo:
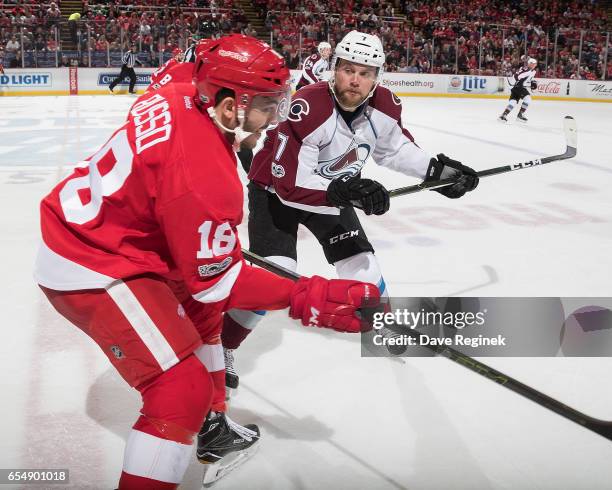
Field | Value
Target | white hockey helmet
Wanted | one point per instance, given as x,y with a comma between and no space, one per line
532,61
323,45
362,48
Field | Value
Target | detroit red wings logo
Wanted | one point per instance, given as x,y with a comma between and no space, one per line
350,163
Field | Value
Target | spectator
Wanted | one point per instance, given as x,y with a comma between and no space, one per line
16,61
73,23
249,31
13,46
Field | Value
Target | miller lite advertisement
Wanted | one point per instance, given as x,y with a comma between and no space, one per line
473,84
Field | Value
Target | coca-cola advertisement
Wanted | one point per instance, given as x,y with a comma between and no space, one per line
548,87
554,87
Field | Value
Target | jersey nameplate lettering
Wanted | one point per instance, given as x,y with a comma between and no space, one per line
153,122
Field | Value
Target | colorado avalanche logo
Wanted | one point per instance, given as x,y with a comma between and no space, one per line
283,107
298,107
278,170
348,164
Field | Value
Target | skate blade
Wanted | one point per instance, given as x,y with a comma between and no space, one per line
215,471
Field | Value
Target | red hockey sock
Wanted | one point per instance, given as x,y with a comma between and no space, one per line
233,333
159,446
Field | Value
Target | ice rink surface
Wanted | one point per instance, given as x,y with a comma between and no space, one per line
330,418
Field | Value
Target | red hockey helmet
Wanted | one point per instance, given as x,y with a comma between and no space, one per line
177,53
248,66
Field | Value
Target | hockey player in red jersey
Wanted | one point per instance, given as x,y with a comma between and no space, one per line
140,251
315,65
176,69
309,172
182,73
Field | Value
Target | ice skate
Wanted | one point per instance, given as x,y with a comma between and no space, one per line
223,445
521,118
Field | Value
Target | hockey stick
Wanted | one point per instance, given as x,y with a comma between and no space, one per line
571,142
601,427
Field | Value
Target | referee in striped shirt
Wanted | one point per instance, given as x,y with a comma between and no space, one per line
127,70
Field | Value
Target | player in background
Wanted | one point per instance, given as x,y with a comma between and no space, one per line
524,81
309,172
140,251
156,76
177,69
315,65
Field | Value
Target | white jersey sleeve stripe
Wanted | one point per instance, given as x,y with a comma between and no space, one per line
222,288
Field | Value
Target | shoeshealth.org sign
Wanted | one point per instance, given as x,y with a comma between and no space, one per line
105,79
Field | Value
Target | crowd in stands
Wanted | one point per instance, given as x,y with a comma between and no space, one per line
158,25
107,29
568,37
460,36
36,20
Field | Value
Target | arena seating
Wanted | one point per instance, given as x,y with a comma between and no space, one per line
568,37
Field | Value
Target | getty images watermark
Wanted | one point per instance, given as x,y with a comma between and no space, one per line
517,327
389,326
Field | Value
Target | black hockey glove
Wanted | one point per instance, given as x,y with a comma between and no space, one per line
367,194
534,84
447,168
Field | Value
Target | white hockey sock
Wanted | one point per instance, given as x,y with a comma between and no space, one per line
362,267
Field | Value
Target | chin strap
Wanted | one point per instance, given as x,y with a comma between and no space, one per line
239,133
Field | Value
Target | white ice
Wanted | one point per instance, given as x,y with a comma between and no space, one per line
330,418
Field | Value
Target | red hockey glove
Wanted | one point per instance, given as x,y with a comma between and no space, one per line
319,302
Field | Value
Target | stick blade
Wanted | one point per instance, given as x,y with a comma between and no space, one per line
571,134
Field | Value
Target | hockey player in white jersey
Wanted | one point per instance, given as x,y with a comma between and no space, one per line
309,173
524,81
315,65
